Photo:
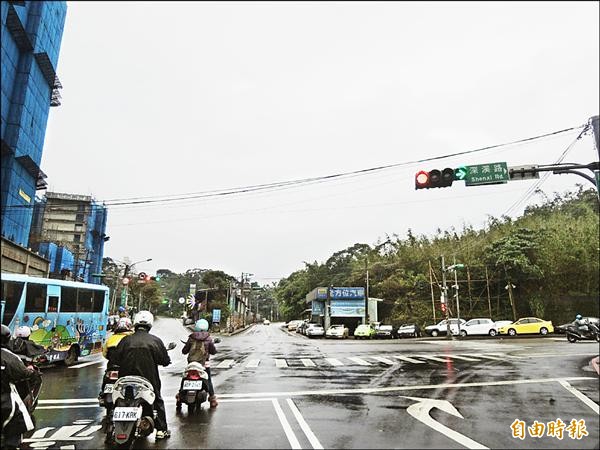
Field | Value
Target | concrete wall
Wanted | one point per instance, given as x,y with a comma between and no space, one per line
17,259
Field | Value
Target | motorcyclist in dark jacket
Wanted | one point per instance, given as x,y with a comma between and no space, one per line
15,417
140,354
201,335
22,345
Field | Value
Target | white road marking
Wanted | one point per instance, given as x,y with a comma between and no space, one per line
334,362
69,400
91,405
360,361
225,364
433,358
383,360
410,360
286,426
281,363
85,364
41,432
253,363
90,430
64,433
479,355
581,396
308,362
420,411
465,358
307,431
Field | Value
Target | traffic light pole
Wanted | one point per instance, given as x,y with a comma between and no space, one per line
457,302
445,299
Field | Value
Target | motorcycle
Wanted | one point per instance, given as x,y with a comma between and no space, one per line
111,375
29,390
133,413
574,334
193,391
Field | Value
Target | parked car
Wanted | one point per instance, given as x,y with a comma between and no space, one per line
501,323
384,332
528,325
562,328
303,326
476,327
364,331
314,330
441,328
293,325
408,330
266,322
337,331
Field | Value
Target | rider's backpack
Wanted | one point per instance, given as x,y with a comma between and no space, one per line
197,352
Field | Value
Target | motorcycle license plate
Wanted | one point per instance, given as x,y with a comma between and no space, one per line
127,414
108,389
192,385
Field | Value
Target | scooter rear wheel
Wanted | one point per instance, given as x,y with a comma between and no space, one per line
571,338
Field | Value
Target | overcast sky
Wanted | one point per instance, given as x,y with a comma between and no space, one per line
174,98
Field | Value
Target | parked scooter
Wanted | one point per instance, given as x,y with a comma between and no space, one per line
574,334
193,391
133,413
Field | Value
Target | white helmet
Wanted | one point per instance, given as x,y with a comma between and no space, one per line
23,332
143,319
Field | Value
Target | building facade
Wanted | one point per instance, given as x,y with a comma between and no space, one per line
70,231
31,35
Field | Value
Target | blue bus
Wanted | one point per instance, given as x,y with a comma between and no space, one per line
68,318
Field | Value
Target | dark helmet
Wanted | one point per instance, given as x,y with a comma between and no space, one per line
5,335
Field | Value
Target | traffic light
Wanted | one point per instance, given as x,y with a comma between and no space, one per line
125,281
434,178
142,276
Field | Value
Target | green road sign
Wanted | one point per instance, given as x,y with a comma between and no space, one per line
460,173
491,173
597,173
123,296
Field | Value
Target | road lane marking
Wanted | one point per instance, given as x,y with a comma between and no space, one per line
286,426
253,363
225,364
465,358
41,432
91,405
360,361
281,363
85,364
433,358
420,411
479,355
308,362
383,360
410,360
307,431
581,396
334,362
69,400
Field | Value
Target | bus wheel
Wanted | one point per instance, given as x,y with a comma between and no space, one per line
71,357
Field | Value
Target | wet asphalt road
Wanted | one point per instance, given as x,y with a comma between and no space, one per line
282,390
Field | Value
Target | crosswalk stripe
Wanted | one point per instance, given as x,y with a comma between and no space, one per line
281,363
383,360
433,358
502,355
360,361
253,363
308,363
225,364
465,358
334,362
410,360
479,355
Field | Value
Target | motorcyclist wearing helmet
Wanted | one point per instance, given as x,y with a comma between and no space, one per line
582,325
202,336
140,354
22,345
15,416
122,312
123,328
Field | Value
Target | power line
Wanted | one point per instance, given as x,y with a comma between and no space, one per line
269,187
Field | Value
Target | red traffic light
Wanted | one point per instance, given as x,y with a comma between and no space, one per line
125,281
422,180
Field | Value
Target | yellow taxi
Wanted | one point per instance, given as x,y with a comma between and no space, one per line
527,325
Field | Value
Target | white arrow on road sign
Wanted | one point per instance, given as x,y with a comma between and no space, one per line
460,173
420,411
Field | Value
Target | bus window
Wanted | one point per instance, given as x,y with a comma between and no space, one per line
98,301
11,294
68,299
85,300
35,298
52,304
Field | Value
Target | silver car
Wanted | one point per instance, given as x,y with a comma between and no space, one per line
313,330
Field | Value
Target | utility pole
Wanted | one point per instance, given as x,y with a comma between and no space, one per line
432,294
367,292
456,294
445,299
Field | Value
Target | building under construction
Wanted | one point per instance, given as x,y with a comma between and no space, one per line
70,231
